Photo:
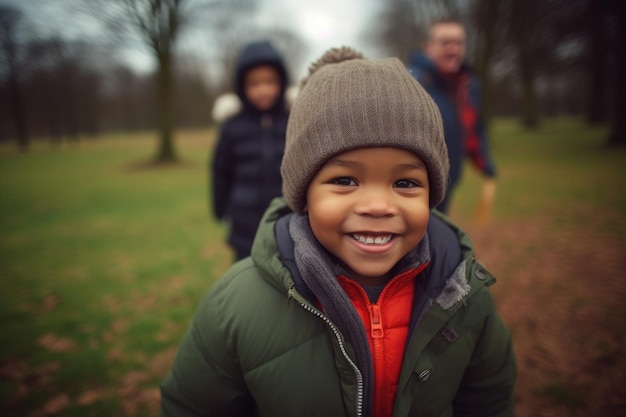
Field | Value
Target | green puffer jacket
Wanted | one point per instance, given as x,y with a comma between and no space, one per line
258,346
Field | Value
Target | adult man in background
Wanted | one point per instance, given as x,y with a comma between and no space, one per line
442,70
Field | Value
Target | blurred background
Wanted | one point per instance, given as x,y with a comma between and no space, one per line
72,67
106,239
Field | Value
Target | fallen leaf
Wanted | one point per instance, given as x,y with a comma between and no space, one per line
52,407
162,362
89,397
49,303
56,344
115,355
13,370
133,379
120,325
146,400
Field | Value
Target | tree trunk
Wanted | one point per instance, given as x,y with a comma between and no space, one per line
617,137
489,14
18,114
165,87
9,18
530,118
596,111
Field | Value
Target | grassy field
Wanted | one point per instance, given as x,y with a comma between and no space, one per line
103,259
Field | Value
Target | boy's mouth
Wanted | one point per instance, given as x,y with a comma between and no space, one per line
371,239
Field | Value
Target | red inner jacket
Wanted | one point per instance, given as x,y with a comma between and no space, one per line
387,326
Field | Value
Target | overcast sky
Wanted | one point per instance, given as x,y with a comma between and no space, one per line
321,24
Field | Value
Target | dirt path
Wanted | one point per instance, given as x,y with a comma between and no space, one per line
563,295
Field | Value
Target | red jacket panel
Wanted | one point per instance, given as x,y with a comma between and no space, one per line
387,325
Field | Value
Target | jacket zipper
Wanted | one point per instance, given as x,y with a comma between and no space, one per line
376,326
357,372
377,333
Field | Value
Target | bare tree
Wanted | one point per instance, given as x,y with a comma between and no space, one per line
523,25
401,28
62,88
531,51
488,20
596,15
537,33
159,24
194,96
228,39
617,136
9,48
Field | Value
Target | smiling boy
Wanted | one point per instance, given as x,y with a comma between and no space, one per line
357,299
369,207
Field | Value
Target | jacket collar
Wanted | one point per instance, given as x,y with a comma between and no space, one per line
273,252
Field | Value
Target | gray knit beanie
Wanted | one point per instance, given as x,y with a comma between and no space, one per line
349,102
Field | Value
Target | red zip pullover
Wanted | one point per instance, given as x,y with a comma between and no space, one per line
387,326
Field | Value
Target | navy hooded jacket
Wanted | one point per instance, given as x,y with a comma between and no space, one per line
246,163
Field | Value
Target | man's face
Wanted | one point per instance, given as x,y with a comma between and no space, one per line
369,208
262,86
446,46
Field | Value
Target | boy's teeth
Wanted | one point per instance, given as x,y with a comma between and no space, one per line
369,240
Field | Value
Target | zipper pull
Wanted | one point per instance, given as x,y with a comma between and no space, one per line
376,321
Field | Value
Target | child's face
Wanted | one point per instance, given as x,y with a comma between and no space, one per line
262,86
369,207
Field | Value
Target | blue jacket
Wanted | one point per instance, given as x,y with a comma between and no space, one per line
425,72
245,169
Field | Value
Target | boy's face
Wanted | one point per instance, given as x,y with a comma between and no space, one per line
369,207
262,86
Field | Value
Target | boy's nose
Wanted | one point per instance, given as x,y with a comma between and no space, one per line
376,204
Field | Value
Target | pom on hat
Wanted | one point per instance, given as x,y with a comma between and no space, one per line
349,102
332,56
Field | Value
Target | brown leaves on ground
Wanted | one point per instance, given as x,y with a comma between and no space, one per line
90,396
562,294
115,354
162,362
49,303
142,400
117,328
54,343
136,390
52,407
136,398
25,378
132,390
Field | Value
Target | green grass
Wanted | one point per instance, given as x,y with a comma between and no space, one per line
104,254
103,262
563,168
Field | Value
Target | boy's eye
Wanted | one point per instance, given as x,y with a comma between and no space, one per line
345,181
405,184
